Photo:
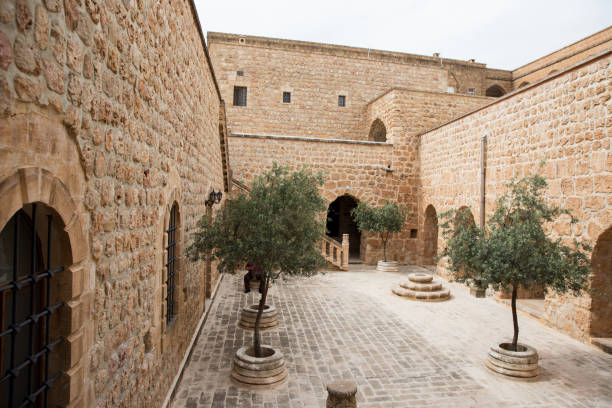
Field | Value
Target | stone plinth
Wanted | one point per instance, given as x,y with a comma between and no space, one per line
341,394
422,286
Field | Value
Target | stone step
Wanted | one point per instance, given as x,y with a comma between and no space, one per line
443,294
604,343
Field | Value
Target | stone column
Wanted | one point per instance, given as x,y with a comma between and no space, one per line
345,249
341,394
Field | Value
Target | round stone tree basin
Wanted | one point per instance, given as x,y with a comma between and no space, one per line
263,372
269,317
389,266
522,363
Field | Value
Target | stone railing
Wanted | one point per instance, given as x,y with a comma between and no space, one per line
335,252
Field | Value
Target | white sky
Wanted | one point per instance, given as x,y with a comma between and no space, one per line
502,34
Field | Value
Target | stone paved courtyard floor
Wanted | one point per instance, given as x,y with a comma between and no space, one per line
401,353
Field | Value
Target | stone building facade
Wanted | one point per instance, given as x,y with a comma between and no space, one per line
112,135
410,131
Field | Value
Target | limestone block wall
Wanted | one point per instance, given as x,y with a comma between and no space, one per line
563,58
315,75
367,171
564,120
109,114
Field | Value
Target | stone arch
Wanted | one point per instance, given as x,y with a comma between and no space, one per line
523,84
601,284
470,220
430,236
554,71
495,91
340,221
69,287
378,131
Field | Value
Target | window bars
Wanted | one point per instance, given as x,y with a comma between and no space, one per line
171,265
25,313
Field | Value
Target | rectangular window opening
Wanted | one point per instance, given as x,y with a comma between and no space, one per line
341,100
286,97
413,233
240,96
471,91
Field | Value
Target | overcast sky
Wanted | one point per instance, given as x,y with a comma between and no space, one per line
502,34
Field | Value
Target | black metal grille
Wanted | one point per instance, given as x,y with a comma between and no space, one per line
171,264
25,313
286,97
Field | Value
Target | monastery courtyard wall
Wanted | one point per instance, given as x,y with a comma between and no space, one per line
564,119
110,115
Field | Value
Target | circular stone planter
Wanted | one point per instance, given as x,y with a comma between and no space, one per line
522,363
259,372
269,317
389,266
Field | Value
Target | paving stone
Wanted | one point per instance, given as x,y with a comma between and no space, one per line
348,326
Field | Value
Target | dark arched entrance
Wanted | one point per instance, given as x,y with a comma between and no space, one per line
340,221
430,236
495,91
378,131
601,284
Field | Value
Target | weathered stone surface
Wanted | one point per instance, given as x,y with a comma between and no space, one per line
6,51
341,394
41,28
27,90
26,55
23,16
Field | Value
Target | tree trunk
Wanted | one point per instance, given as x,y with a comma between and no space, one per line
260,309
514,318
384,240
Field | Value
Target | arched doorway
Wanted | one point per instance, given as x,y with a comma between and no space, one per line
340,221
495,91
601,284
34,250
430,236
378,131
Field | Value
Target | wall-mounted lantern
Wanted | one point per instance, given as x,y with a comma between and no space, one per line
213,198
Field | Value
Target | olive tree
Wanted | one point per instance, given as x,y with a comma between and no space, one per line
383,220
514,249
275,227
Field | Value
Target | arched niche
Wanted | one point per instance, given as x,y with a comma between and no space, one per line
495,91
430,236
601,286
378,131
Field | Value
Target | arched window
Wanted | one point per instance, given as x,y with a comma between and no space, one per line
495,91
31,252
430,236
378,131
171,262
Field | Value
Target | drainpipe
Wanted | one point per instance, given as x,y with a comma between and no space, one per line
478,287
483,175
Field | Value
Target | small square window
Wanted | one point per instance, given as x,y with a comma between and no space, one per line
240,96
286,97
240,73
413,233
341,100
471,91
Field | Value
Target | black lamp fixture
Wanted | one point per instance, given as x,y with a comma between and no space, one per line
213,198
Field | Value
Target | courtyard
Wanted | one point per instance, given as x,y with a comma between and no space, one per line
399,352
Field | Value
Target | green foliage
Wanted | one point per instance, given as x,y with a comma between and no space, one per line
384,220
514,250
276,227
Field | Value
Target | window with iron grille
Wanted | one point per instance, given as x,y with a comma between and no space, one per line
171,264
240,96
26,337
341,100
286,97
471,91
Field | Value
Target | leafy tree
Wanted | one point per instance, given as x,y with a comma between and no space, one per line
276,228
384,220
514,249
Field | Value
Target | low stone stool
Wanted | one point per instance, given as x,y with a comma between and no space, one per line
341,394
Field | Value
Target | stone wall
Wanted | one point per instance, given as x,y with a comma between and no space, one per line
564,120
563,58
109,115
316,74
368,171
